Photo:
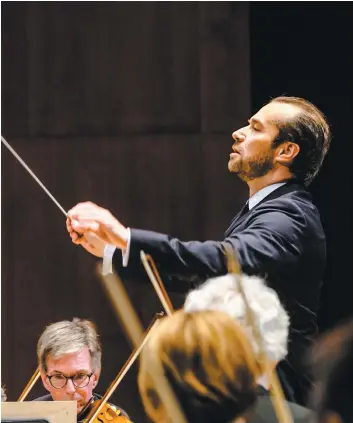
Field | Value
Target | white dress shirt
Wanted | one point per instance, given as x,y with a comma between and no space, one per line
264,192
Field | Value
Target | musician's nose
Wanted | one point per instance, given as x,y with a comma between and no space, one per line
238,136
70,387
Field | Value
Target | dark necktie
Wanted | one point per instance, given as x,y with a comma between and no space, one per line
244,210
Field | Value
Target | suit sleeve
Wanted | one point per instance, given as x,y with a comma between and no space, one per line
272,240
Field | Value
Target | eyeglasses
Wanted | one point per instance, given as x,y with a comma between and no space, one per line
79,380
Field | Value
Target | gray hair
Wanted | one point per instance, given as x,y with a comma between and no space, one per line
69,337
221,293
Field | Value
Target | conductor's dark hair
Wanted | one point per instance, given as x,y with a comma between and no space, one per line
311,132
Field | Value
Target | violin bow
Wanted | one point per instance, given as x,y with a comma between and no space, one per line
157,283
116,290
29,385
281,407
96,410
124,310
279,403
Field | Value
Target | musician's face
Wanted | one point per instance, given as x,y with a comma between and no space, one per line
71,365
253,153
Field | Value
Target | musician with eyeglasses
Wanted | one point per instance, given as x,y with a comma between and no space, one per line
69,357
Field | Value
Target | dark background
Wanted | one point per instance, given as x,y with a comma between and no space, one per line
132,106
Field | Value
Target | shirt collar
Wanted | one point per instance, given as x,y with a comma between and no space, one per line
264,192
263,381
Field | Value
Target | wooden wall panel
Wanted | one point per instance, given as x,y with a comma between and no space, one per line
129,105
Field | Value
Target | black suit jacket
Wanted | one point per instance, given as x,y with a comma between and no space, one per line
280,239
264,411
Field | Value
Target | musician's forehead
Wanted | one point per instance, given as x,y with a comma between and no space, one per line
70,363
276,113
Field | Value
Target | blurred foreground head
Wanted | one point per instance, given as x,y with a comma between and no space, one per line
209,363
332,361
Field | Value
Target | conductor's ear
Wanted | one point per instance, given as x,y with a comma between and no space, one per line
286,153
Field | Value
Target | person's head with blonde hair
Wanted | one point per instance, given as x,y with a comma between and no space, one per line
209,363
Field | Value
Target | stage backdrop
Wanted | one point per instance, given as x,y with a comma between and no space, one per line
131,106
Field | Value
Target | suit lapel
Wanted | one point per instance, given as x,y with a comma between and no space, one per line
290,186
244,212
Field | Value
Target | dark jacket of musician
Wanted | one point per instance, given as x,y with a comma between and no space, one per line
84,413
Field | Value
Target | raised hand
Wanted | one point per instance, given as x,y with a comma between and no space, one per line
89,240
89,217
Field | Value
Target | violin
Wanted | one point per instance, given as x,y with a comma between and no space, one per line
108,413
100,411
103,412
